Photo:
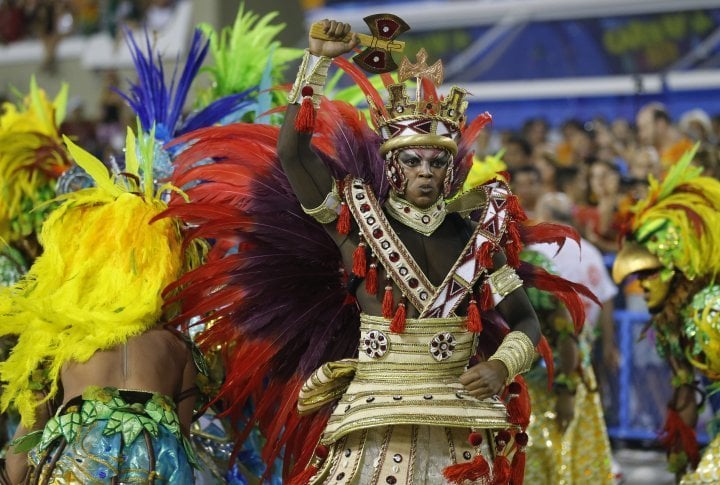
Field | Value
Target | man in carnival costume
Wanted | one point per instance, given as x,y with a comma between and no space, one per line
102,388
313,246
417,423
672,240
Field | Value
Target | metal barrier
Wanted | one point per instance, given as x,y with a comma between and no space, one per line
642,385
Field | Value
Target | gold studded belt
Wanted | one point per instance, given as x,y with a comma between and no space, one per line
412,378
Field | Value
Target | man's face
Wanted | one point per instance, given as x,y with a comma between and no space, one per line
528,188
646,127
604,181
514,156
656,290
425,170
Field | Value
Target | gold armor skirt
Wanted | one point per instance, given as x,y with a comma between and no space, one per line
403,415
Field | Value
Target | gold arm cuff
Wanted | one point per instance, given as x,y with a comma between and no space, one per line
503,282
313,76
327,211
517,352
327,384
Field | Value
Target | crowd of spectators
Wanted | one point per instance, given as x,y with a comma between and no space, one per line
602,165
51,20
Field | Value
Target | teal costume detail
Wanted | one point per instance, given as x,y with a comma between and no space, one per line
131,436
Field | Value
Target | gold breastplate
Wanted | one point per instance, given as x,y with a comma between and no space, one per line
412,378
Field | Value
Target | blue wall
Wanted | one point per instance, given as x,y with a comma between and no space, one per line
511,114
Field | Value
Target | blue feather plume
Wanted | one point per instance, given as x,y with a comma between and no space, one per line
159,104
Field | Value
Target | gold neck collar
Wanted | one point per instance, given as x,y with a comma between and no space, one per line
424,221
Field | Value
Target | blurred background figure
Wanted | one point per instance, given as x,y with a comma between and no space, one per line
655,129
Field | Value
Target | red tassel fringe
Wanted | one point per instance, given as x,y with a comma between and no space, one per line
484,255
512,252
305,120
343,222
474,470
518,468
678,436
486,299
474,322
360,261
515,209
388,304
371,284
518,406
513,233
398,322
518,462
501,470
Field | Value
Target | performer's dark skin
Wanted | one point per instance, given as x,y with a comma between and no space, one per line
425,170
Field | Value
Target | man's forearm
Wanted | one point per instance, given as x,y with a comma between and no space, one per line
309,177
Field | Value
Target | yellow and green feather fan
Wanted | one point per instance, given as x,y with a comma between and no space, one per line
32,156
99,281
241,54
678,220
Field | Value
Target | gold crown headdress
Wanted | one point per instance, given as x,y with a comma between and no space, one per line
426,121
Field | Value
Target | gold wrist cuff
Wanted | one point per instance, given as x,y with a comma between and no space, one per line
310,75
503,282
327,211
517,352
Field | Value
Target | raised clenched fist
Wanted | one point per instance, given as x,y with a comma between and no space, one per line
337,31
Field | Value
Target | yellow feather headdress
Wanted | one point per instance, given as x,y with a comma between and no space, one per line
100,279
679,220
32,156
